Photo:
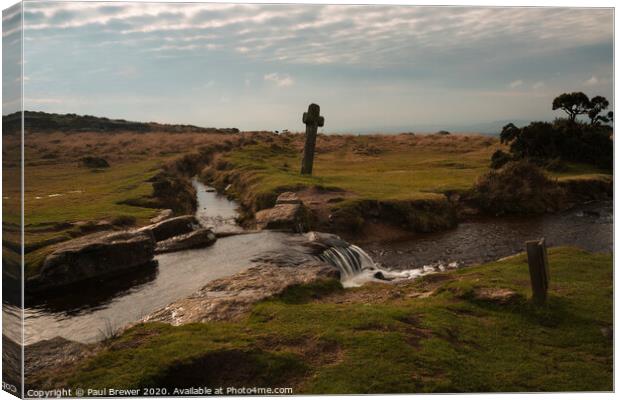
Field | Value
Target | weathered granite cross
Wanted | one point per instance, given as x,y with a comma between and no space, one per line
313,120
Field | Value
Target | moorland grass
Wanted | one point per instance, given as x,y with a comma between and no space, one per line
398,167
59,192
379,338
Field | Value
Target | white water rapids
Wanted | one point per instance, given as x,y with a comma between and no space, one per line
357,267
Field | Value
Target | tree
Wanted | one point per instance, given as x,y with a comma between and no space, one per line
597,105
573,104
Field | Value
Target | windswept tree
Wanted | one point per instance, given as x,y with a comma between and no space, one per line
597,105
573,104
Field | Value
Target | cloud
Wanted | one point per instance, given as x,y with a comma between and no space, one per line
281,80
538,85
327,34
515,84
593,81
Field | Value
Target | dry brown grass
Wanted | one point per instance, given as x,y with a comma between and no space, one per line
59,147
403,141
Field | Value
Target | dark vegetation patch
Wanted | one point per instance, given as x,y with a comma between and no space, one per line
94,162
414,216
45,122
124,220
234,368
300,294
519,187
566,139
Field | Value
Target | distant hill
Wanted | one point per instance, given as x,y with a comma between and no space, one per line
38,121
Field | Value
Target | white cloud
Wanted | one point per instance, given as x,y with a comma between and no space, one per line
516,84
328,34
593,81
209,84
538,85
281,80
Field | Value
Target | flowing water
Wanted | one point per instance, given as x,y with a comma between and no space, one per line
87,311
84,313
589,227
357,267
215,210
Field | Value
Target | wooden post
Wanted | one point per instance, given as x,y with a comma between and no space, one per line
312,119
539,269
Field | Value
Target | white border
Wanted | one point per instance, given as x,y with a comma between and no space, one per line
483,3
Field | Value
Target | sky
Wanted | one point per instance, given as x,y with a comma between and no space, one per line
370,68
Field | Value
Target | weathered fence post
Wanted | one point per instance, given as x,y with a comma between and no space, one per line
312,119
539,269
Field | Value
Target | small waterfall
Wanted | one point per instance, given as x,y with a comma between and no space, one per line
350,260
357,267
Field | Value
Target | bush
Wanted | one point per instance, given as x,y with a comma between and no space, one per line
563,140
520,187
499,159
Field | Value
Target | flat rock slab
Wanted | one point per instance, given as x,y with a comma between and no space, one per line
199,238
232,297
93,256
282,216
287,214
171,227
288,198
163,215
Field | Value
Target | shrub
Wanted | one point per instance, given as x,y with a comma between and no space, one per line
520,187
499,159
563,139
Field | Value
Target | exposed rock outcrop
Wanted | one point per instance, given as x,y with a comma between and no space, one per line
289,213
171,227
288,198
163,215
196,239
93,256
230,298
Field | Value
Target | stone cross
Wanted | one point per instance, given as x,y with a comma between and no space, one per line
313,120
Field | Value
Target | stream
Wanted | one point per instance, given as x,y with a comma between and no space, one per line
589,227
86,313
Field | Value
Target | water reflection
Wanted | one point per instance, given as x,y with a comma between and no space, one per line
589,227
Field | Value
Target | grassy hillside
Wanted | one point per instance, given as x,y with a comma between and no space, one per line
378,167
471,330
395,167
